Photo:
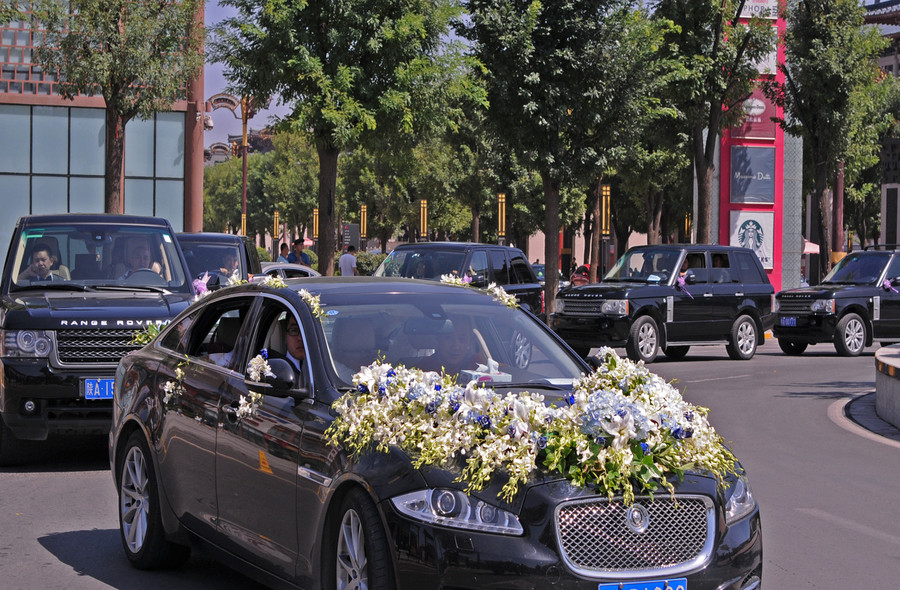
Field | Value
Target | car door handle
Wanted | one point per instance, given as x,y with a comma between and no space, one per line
707,294
739,294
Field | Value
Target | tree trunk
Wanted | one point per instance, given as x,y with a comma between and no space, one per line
115,161
476,223
596,230
704,166
654,217
551,237
837,214
821,212
328,160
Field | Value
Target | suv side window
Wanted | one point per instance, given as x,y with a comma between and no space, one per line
750,271
478,267
722,272
501,267
521,270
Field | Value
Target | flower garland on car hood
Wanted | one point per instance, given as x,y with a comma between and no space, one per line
622,429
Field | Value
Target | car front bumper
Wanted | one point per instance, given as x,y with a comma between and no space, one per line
591,331
59,404
428,556
808,328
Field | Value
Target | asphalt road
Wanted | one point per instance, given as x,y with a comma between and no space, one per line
827,491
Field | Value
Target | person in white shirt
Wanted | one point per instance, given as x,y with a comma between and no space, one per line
347,263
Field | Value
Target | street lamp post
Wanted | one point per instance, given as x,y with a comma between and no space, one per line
362,225
501,218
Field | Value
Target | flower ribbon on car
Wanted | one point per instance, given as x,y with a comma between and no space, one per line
622,429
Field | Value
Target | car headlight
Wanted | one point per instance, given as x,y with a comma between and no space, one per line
456,509
740,501
826,305
559,305
614,307
27,343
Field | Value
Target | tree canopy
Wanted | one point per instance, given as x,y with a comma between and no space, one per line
139,56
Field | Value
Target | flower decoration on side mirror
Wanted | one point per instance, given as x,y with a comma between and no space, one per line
888,286
680,285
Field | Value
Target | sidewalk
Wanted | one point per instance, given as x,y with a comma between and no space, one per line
861,412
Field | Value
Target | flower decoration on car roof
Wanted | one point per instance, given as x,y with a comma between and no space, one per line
274,281
496,291
313,302
622,429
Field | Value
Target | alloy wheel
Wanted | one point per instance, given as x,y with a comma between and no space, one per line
352,563
134,499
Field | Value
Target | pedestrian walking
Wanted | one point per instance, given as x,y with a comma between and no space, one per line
347,263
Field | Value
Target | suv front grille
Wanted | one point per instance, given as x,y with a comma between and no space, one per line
94,347
596,539
795,306
583,306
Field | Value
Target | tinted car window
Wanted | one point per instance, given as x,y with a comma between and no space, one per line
214,337
750,272
427,331
478,266
501,267
521,271
894,268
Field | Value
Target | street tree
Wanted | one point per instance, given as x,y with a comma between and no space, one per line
289,179
566,83
830,63
347,69
720,55
139,56
222,195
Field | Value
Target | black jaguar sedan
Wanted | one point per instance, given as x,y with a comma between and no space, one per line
220,440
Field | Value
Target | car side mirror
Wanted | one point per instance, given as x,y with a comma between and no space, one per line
479,281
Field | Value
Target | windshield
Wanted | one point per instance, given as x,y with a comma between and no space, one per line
429,264
859,269
476,338
648,265
212,258
86,257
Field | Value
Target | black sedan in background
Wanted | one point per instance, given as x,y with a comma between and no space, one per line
206,450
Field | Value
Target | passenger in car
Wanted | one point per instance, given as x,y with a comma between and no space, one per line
41,262
454,352
140,259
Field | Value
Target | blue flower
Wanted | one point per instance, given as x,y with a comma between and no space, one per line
645,448
361,388
264,353
485,421
689,416
454,407
511,430
571,399
437,387
391,373
682,433
431,407
542,442
382,391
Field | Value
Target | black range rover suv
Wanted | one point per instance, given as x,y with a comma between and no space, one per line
857,303
670,297
76,289
483,263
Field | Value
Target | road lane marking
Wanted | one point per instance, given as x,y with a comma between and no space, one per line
718,379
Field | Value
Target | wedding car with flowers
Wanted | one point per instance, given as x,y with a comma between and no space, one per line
381,433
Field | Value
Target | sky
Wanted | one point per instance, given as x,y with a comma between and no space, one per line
224,122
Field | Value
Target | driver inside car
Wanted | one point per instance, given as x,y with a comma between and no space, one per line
140,259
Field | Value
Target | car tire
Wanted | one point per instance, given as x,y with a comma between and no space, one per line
850,335
357,553
742,340
676,352
643,340
140,521
792,347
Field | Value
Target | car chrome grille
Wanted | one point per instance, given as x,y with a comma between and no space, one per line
94,347
788,306
596,539
583,306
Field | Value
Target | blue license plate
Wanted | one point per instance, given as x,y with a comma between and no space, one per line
789,322
675,584
98,388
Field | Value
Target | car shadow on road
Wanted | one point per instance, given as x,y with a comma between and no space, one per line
828,390
57,455
98,554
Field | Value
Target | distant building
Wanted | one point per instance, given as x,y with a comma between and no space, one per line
53,158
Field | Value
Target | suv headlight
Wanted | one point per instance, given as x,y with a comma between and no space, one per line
614,307
453,508
27,343
826,305
740,501
559,305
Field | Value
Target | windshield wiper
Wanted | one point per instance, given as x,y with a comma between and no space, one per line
54,286
147,288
